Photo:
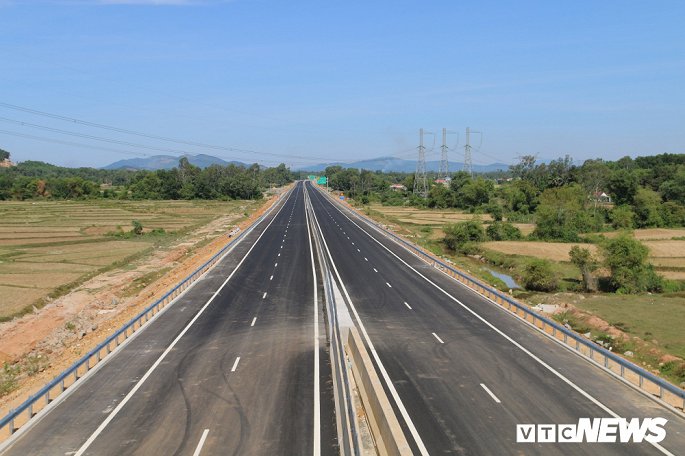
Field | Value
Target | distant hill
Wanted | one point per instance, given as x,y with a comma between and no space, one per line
168,161
392,164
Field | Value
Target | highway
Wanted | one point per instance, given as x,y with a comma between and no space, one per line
239,365
462,372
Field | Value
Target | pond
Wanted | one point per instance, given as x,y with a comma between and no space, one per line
507,279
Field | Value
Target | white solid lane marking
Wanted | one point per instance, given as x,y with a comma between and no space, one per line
437,337
254,320
317,374
264,295
375,270
408,306
149,372
235,364
384,373
201,443
389,286
492,395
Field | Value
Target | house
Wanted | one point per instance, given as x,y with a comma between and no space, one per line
398,188
601,197
445,182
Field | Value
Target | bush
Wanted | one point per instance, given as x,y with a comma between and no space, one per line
458,236
137,227
622,218
539,276
503,231
626,258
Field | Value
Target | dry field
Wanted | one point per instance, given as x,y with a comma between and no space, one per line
663,254
427,216
46,246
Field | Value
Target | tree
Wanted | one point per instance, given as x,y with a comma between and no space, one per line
623,186
626,259
460,236
4,155
539,276
561,214
503,231
646,204
475,193
521,197
441,197
622,218
587,264
674,188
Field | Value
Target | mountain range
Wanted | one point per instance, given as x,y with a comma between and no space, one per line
392,164
384,164
168,161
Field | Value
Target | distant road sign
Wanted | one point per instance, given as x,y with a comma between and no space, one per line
321,180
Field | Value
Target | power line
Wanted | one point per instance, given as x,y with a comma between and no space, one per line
147,135
106,149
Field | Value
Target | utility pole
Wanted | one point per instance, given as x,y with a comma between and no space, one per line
420,184
468,163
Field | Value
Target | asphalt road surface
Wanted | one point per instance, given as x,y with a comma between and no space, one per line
465,371
239,363
234,376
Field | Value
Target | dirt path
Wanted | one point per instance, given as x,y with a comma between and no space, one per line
51,339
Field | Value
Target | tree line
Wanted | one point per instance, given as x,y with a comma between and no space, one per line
563,199
33,179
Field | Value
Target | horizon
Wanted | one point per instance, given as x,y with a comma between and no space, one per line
318,83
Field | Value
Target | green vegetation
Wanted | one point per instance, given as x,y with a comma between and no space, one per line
626,258
539,276
31,180
460,237
587,264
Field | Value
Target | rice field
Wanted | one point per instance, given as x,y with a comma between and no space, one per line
47,245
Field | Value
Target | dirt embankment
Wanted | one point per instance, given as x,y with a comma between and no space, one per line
51,339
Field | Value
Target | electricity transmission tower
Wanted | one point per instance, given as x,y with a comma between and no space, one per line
468,163
420,183
444,172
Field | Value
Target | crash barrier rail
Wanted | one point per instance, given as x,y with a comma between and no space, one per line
390,439
347,432
632,374
21,415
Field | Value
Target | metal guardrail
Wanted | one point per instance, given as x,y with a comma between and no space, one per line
624,369
38,401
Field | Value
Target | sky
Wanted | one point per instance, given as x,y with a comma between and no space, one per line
304,82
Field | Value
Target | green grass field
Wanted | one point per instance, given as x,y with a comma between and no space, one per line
48,247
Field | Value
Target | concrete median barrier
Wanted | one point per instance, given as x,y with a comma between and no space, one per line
386,429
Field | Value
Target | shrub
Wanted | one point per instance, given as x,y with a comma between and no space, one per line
539,276
626,258
622,218
503,231
137,227
458,235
